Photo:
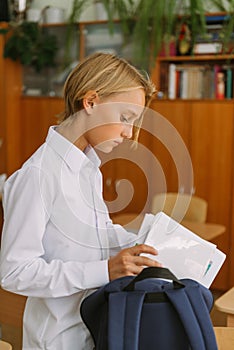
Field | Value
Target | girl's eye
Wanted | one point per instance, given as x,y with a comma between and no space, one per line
124,119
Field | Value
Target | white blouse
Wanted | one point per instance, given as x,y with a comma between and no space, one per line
56,241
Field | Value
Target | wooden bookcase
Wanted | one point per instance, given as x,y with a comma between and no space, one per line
207,128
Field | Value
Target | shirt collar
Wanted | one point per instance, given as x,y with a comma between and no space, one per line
71,154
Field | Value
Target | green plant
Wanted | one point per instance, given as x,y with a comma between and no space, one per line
121,8
31,45
157,21
152,23
226,6
77,8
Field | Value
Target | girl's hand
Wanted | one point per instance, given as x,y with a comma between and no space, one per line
129,262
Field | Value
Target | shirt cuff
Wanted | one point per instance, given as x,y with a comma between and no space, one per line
96,274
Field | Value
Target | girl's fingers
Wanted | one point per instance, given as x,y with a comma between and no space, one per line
142,248
145,261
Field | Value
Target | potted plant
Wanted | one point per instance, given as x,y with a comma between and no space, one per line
151,23
112,8
31,45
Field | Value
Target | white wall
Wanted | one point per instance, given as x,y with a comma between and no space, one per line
88,14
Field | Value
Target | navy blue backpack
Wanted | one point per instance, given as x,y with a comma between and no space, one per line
152,311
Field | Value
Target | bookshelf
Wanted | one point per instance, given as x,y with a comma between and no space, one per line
195,77
87,38
197,98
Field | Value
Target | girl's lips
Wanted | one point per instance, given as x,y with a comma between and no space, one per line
118,142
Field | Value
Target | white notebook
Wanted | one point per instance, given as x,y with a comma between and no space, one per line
183,252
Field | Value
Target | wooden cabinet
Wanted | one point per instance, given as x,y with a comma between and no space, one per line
212,158
38,115
208,133
207,128
10,113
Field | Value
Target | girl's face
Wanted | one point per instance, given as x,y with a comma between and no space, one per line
111,119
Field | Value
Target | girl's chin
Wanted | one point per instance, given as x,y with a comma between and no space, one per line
106,147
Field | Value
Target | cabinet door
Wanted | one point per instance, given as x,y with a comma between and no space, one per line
152,168
125,183
231,246
2,111
169,142
10,114
38,114
212,156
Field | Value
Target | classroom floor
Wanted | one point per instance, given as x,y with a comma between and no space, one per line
14,334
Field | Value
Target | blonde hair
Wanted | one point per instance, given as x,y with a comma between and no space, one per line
106,74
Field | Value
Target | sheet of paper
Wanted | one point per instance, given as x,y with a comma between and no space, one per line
213,268
186,254
146,225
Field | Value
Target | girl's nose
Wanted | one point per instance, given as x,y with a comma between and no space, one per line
127,131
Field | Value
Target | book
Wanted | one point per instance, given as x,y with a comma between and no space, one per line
183,252
219,82
229,83
172,81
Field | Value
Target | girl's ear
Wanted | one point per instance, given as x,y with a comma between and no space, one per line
90,99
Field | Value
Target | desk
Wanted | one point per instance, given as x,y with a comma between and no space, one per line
207,231
130,221
225,304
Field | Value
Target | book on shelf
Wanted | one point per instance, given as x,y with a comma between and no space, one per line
172,81
200,81
185,81
219,82
229,83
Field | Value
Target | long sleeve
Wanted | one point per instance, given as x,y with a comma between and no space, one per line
28,198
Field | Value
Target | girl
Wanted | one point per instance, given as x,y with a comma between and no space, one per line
59,243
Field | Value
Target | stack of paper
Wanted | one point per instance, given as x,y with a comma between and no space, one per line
182,251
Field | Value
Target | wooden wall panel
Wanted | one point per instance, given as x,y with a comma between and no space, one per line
2,108
39,113
176,137
207,129
231,228
212,156
145,179
11,308
13,121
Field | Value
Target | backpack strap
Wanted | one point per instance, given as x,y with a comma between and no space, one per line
125,310
198,303
124,320
155,272
188,302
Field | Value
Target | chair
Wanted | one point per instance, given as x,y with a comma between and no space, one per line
180,206
224,337
5,346
225,304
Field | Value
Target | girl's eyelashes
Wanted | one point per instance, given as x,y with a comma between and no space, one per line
124,119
